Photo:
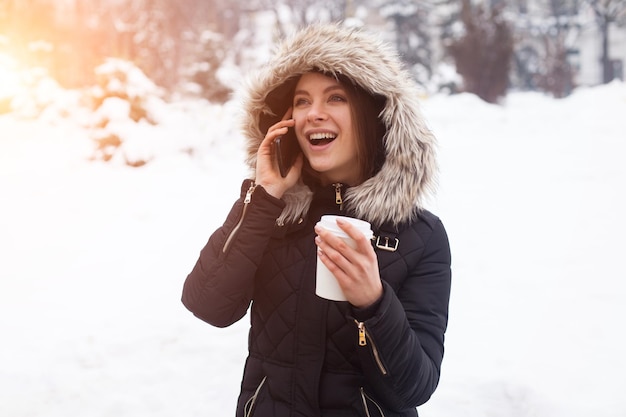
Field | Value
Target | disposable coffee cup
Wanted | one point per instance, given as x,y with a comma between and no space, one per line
326,285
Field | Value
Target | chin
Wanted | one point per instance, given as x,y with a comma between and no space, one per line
320,168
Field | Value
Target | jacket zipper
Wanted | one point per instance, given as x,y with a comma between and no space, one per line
365,398
363,338
249,405
338,197
246,202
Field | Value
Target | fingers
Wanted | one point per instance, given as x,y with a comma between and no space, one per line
333,258
267,173
356,269
340,253
363,244
279,129
283,126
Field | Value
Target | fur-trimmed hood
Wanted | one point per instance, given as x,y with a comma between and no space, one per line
408,173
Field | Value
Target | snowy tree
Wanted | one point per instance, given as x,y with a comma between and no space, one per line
608,12
546,31
558,77
483,53
413,29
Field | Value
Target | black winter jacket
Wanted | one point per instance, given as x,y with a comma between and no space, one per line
313,357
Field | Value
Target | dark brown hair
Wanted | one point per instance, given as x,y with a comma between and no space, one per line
369,128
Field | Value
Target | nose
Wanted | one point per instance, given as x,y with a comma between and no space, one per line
316,113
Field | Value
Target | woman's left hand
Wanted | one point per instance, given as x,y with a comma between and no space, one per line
356,270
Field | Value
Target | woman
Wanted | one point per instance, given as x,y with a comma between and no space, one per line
365,153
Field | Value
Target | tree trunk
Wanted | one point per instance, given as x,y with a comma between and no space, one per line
607,69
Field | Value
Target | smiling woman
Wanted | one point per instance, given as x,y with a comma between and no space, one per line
366,154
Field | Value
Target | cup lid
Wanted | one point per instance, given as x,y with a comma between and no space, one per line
329,222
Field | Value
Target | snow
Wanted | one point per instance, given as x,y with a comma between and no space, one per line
94,255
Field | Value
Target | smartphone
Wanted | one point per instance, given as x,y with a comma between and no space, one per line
286,150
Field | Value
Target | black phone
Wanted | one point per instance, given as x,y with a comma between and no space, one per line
286,150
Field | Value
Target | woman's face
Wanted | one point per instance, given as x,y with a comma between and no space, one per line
324,128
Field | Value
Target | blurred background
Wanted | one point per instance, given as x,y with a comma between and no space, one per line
486,47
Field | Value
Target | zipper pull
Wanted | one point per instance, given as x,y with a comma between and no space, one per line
362,340
233,232
249,193
338,198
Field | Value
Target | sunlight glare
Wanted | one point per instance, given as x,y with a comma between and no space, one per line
10,79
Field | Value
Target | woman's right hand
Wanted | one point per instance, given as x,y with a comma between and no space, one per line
267,173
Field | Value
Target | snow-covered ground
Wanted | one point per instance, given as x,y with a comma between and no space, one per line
93,256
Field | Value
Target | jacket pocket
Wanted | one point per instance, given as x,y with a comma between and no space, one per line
248,408
370,405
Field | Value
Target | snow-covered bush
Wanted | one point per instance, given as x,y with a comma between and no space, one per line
34,94
445,79
123,97
124,80
38,91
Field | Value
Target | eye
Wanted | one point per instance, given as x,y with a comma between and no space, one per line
337,97
299,101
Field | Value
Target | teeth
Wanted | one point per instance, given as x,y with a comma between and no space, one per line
321,136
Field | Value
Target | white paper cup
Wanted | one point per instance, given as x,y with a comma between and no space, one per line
326,285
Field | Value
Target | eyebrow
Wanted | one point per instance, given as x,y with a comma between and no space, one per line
326,90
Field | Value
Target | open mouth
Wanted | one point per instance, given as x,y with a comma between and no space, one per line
318,139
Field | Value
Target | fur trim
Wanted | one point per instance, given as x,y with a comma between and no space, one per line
408,174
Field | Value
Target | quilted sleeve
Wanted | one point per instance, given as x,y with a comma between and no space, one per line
402,343
219,288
